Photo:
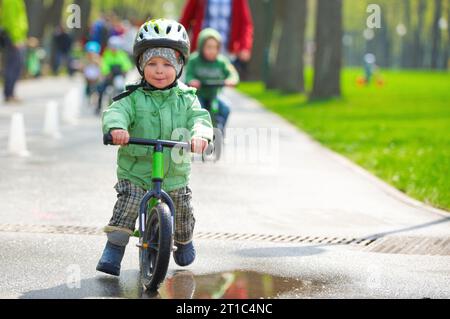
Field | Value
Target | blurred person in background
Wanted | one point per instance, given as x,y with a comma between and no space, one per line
117,27
369,66
231,18
207,64
14,23
34,57
91,65
371,72
115,63
61,48
100,32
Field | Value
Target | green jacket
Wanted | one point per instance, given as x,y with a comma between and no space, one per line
155,115
200,69
110,58
13,18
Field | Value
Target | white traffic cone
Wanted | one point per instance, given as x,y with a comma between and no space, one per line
78,102
71,108
67,112
17,144
51,122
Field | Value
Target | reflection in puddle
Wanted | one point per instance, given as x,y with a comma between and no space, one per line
234,285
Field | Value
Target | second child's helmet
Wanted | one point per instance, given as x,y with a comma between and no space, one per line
93,47
161,33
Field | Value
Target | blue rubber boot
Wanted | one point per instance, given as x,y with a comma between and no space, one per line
185,254
111,258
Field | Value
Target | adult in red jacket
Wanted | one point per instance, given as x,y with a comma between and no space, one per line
232,18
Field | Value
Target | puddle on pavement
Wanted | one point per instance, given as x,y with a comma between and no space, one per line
233,285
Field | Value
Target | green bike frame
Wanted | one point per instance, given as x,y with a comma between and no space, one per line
156,194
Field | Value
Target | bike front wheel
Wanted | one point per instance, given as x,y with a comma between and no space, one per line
155,248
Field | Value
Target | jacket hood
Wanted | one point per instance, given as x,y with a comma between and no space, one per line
206,34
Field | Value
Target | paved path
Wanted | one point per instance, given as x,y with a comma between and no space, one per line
285,186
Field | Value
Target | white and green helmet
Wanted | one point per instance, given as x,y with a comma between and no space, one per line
161,33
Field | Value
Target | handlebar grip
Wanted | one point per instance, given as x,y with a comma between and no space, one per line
107,139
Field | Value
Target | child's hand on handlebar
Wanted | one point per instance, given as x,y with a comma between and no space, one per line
198,145
195,83
120,137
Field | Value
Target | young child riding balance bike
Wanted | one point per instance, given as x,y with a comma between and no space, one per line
153,109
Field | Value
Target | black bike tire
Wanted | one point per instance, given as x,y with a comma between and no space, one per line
163,215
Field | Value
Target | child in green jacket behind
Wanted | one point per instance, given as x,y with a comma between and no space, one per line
208,65
156,108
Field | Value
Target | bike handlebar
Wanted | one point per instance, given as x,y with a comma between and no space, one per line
218,83
107,140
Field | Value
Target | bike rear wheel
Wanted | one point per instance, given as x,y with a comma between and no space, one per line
155,250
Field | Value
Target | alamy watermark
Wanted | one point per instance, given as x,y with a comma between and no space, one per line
245,146
73,21
73,280
374,278
374,19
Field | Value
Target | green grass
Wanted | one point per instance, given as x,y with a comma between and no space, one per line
399,132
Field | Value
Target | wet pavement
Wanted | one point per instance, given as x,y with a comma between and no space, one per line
69,182
63,266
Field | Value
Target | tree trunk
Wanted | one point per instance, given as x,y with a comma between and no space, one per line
85,8
328,56
289,63
263,19
385,60
36,18
40,16
272,73
406,58
54,13
446,64
418,51
435,56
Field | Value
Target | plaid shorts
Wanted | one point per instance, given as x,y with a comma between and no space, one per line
126,209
